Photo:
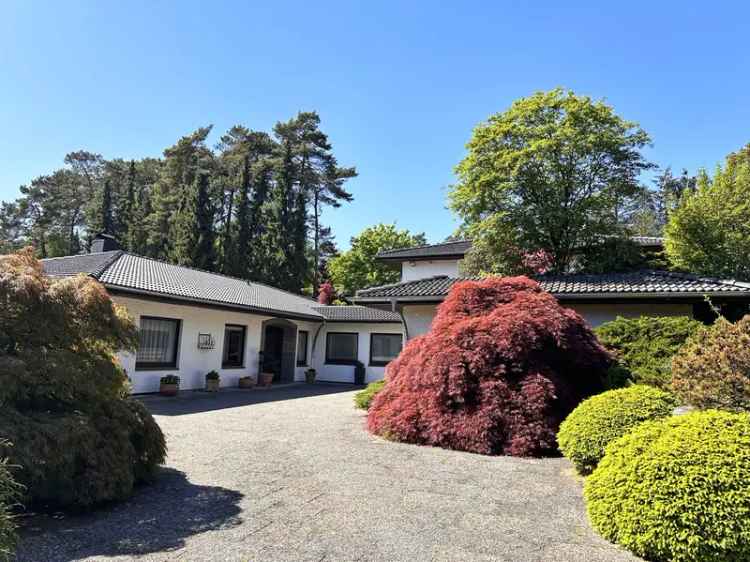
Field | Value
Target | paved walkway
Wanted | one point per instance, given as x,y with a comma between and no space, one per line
290,474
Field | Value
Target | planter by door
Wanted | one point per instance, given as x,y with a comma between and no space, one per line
246,382
212,385
266,379
168,389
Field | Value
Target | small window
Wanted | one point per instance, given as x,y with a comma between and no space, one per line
234,346
302,348
157,343
341,348
384,348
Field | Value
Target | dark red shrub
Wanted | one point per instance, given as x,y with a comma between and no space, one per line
503,365
326,294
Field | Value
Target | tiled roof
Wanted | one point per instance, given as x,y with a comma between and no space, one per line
648,240
646,283
357,314
453,249
457,249
91,264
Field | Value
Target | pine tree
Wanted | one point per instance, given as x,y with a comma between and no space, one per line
194,227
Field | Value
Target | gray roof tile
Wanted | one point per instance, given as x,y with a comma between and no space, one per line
357,314
90,264
445,250
646,282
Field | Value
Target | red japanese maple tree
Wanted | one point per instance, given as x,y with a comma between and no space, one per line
501,367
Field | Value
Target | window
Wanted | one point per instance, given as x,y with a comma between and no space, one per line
234,346
302,348
341,348
157,343
384,348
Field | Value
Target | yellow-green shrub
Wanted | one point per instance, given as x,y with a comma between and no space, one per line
676,489
605,417
713,369
363,398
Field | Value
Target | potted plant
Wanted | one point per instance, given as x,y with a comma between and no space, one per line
169,385
247,381
213,380
266,379
310,376
359,373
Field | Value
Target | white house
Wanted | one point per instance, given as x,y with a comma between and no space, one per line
191,322
428,272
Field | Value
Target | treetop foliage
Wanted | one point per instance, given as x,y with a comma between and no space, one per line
251,207
549,173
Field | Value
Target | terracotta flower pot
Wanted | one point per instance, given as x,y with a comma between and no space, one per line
168,389
266,379
212,385
246,382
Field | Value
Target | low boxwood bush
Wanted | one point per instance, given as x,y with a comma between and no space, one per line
9,494
363,398
676,489
645,345
603,418
713,369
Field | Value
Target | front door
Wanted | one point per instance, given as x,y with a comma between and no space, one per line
273,351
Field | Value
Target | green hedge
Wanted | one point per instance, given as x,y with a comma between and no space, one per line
605,417
677,489
363,398
645,345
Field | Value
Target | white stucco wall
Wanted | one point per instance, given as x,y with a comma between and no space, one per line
419,317
596,314
194,363
345,373
411,270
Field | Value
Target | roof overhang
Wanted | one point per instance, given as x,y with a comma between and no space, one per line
192,301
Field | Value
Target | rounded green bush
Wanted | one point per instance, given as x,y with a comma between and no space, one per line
363,398
605,417
677,489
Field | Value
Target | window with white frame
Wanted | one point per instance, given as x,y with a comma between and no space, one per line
158,342
302,336
341,348
384,348
234,346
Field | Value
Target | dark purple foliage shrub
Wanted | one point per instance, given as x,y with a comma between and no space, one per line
502,366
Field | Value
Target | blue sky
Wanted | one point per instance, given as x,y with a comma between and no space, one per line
399,85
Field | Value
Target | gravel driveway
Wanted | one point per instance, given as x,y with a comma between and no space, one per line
291,474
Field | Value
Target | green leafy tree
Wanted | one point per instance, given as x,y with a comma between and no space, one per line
709,232
357,268
550,173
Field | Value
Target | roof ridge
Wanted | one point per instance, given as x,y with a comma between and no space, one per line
72,256
224,275
424,246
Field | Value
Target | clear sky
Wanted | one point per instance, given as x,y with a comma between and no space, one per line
399,85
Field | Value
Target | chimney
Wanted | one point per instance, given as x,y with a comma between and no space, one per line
104,243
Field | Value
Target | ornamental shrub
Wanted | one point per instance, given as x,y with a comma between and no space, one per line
363,398
713,370
78,438
501,367
676,489
645,345
605,417
9,494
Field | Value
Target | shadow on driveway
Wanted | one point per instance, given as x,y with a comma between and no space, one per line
195,401
157,518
